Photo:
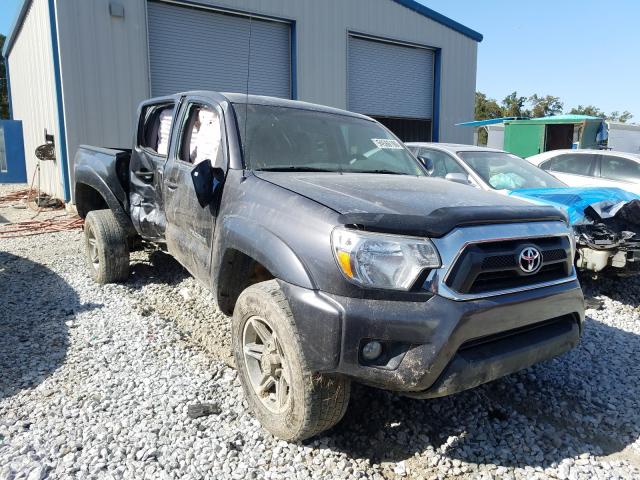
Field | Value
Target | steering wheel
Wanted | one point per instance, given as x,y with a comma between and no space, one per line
355,158
428,164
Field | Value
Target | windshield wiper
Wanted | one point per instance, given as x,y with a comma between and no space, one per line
294,169
388,172
317,169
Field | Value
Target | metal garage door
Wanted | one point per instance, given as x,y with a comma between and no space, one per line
390,80
196,49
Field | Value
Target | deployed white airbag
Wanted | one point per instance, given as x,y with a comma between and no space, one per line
205,139
164,131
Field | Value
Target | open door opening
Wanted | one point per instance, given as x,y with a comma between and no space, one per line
408,129
558,136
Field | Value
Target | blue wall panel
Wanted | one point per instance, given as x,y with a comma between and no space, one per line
12,164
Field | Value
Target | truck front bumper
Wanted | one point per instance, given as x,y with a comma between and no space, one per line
439,346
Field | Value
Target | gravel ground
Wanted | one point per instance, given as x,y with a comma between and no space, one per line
95,382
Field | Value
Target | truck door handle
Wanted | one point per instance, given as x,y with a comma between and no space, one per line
144,174
172,185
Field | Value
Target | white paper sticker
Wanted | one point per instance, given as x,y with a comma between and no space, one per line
387,143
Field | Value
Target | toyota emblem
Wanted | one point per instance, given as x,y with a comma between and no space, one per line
530,260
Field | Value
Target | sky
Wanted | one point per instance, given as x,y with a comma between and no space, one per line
583,51
8,11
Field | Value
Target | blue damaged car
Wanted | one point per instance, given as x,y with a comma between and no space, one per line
606,221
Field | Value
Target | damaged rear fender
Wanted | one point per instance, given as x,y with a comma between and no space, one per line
87,180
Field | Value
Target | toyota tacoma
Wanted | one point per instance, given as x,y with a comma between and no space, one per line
337,257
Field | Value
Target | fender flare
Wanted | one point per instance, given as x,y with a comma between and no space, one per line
88,177
265,247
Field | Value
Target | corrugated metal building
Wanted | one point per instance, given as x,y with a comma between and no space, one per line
78,68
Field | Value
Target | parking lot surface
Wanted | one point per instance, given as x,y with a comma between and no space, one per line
96,382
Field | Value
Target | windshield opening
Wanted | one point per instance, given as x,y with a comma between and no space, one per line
290,139
504,171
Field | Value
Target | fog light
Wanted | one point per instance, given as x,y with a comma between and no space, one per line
371,350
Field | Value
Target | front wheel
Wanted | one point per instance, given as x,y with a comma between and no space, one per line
106,247
289,401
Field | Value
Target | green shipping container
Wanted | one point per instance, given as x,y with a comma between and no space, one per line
530,137
523,139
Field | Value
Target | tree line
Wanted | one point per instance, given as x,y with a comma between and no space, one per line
514,105
4,94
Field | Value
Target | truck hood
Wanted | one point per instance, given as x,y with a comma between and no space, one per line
574,200
412,205
379,193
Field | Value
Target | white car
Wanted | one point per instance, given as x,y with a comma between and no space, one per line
592,168
601,243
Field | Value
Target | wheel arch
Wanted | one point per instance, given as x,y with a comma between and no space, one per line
92,193
88,198
87,184
252,254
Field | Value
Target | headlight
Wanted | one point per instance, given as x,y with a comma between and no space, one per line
382,261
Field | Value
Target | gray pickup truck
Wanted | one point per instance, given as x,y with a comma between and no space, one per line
336,255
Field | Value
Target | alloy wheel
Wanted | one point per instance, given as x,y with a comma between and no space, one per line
266,364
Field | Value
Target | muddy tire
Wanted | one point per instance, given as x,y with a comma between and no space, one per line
290,402
106,247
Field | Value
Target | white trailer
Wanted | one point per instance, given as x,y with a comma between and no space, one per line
624,137
495,136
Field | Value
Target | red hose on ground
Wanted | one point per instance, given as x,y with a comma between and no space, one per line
35,227
38,227
18,196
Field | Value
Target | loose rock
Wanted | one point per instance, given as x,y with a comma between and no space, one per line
104,382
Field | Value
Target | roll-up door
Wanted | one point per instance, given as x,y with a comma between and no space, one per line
198,49
393,83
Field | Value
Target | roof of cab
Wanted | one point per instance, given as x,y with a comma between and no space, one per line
243,98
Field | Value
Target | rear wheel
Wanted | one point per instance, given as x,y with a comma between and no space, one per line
289,401
106,247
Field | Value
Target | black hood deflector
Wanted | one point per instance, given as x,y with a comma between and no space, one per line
443,220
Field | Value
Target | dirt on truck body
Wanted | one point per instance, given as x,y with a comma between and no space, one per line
337,257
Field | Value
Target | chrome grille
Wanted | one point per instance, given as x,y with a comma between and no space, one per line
493,266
